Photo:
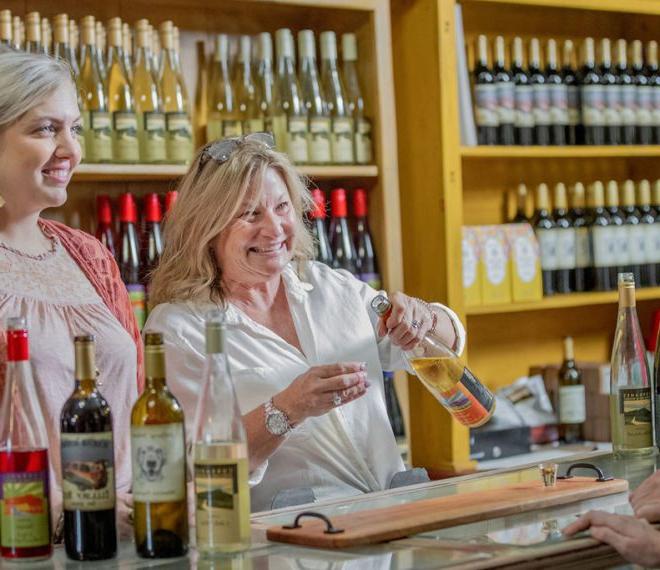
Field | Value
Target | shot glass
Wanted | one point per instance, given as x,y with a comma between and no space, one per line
548,473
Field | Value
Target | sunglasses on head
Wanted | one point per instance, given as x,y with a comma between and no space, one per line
221,150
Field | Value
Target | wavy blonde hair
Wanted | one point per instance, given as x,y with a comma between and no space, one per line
210,198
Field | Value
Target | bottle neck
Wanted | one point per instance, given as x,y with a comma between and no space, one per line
85,386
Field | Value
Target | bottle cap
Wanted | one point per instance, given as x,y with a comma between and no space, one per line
245,53
306,44
328,45
127,208
17,339
284,42
338,206
360,203
319,204
170,198
265,47
152,209
221,47
349,47
103,209
612,193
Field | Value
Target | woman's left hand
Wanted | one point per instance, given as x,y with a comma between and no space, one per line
408,322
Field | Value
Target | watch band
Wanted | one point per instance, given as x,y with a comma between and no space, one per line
270,409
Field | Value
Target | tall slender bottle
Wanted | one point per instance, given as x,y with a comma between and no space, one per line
290,115
520,217
618,230
94,99
320,126
572,401
125,148
583,260
505,95
364,247
569,77
628,93
566,242
178,138
17,40
33,33
541,92
631,405
24,486
62,49
603,240
644,98
152,239
158,453
104,226
220,454
200,110
5,28
612,95
636,233
485,96
101,48
524,118
654,82
74,44
88,467
356,105
127,45
151,120
224,120
318,218
592,96
265,82
546,234
246,91
128,256
46,37
558,94
342,246
335,95
647,221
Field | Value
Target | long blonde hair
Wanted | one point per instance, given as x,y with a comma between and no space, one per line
209,200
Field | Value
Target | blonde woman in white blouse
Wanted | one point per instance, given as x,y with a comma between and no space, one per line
306,352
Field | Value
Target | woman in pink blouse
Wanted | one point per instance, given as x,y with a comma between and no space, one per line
63,280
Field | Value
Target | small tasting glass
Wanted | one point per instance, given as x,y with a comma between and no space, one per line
548,473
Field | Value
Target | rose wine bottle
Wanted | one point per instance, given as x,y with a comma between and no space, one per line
364,247
317,218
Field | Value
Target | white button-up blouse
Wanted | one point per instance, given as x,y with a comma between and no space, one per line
349,450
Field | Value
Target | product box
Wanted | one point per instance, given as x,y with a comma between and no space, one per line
496,274
525,260
472,267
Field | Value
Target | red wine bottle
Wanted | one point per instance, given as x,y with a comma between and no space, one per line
104,230
485,96
152,240
592,96
539,84
23,457
628,94
128,254
317,218
341,242
366,256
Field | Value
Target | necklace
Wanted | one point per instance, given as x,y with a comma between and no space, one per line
54,242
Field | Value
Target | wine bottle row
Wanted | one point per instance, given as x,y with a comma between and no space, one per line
342,245
158,458
614,102
586,246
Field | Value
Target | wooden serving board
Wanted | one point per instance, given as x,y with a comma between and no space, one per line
391,523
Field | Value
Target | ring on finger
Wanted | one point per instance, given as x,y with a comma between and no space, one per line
415,324
336,399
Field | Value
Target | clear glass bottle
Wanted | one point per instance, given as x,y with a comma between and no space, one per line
224,120
5,27
33,32
246,91
62,49
265,81
572,403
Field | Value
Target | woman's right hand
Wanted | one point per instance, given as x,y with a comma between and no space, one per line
314,392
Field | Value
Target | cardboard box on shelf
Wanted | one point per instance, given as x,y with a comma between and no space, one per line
472,267
525,260
496,274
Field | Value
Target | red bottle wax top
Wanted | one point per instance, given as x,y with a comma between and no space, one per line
127,208
103,209
152,210
170,198
338,206
319,204
360,203
17,345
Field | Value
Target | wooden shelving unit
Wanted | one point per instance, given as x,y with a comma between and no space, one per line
445,185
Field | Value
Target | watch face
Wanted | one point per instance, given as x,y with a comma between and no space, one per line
276,423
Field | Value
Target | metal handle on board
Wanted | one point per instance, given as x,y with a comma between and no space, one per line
330,529
601,476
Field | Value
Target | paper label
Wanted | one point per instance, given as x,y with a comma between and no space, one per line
636,238
593,105
524,255
320,150
342,140
486,105
548,246
217,503
612,111
645,105
604,246
566,248
635,406
582,247
572,406
363,144
558,104
524,106
541,104
573,105
506,102
495,260
628,104
296,139
24,509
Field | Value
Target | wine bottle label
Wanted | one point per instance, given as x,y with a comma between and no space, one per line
636,238
179,137
231,128
612,111
525,258
495,260
637,420
125,143
604,241
582,247
469,401
573,105
541,104
254,126
319,140
486,105
628,104
566,248
470,261
363,144
548,246
655,115
506,102
524,106
152,137
558,104
655,242
644,105
88,471
24,509
593,105
572,405
342,140
296,138
98,136
159,463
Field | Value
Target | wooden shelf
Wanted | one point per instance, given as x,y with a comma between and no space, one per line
137,172
651,7
500,152
562,302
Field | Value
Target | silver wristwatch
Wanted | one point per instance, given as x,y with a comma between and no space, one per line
277,422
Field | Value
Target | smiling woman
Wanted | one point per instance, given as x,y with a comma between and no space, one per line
60,279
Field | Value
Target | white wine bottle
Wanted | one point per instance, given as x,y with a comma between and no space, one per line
320,151
151,120
631,406
342,121
178,138
290,120
220,455
246,93
125,148
362,125
265,81
62,48
127,44
223,120
94,99
5,27
33,32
